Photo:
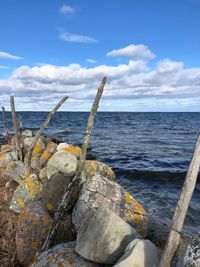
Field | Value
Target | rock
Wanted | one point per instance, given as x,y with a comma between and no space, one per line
5,158
43,174
74,150
6,148
53,191
62,162
103,236
15,170
62,146
27,133
48,152
26,192
35,163
140,253
188,252
62,255
27,141
34,224
100,192
93,166
38,148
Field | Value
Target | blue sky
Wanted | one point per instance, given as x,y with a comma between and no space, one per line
148,49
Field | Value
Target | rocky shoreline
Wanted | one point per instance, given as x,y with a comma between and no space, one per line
107,226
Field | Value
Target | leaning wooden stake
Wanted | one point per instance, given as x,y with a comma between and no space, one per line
39,132
74,187
8,140
181,208
15,124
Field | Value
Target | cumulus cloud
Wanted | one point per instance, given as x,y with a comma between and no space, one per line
168,82
76,38
133,51
66,10
8,55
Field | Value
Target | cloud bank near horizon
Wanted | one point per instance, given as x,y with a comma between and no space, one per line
169,82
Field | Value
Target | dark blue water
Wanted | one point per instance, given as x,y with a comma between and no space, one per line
150,152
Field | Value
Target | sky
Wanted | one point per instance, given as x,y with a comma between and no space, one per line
149,50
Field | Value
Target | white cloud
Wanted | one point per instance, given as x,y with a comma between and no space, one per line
168,84
4,67
8,55
133,51
65,9
89,60
76,38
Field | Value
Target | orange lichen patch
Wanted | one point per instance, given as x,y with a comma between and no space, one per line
46,155
93,166
2,156
35,245
75,150
32,185
20,202
24,216
38,148
60,264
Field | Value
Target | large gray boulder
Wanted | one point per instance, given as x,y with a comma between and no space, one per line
62,162
62,255
140,253
98,191
15,171
103,237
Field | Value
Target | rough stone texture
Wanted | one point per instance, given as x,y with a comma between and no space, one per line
27,133
140,253
62,255
103,236
62,146
35,163
188,252
34,224
48,152
53,191
43,175
27,141
26,192
62,162
5,158
99,191
39,147
74,150
6,148
15,170
93,166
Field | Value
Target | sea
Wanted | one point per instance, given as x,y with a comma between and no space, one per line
149,151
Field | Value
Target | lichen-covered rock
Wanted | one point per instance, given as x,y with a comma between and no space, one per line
35,162
103,236
74,150
28,190
93,166
6,148
62,146
62,255
53,191
48,152
26,143
38,148
140,253
43,174
101,192
5,158
34,224
27,133
62,162
15,170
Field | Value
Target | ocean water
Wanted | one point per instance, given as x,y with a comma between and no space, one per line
150,152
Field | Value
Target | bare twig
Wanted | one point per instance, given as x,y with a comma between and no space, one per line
5,126
39,132
74,187
181,208
15,124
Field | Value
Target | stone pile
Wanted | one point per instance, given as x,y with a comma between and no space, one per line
107,226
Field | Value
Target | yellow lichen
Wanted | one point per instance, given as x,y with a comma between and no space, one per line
35,245
46,155
50,206
20,202
2,156
37,148
75,150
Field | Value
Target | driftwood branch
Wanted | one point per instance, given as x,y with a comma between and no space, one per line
39,132
74,187
181,208
7,134
15,125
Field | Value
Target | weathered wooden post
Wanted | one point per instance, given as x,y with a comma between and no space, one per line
15,125
8,139
74,187
39,132
182,207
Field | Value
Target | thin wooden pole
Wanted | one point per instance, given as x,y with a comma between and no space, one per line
74,187
39,132
181,208
15,124
5,126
